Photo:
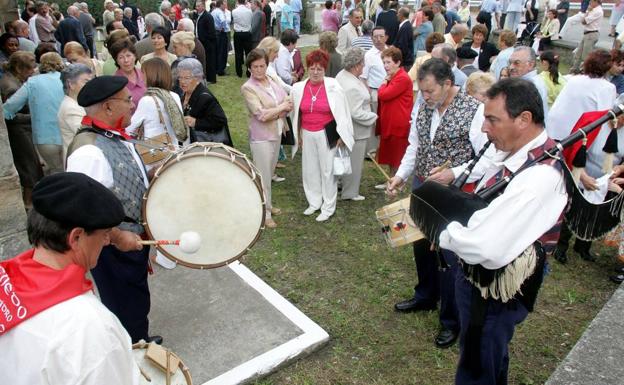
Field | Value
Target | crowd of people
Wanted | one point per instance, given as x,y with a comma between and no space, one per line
424,90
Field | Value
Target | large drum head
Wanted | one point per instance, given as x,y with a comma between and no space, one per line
209,189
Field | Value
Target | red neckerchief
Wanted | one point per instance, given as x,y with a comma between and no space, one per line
588,117
27,288
92,122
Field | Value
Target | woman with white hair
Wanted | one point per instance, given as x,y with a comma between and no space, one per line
202,111
363,118
70,114
183,46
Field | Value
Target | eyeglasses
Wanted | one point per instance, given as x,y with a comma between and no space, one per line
127,100
517,62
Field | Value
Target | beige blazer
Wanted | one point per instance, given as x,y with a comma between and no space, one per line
69,120
359,100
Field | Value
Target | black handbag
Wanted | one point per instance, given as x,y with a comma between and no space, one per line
288,137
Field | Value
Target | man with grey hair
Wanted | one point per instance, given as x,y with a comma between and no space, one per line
362,117
349,31
447,53
205,31
88,26
405,38
522,65
69,29
457,33
144,46
365,41
186,25
165,10
128,24
21,31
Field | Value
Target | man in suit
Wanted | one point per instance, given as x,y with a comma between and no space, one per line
88,26
128,24
69,29
350,31
144,46
405,38
258,23
389,20
199,51
205,31
165,11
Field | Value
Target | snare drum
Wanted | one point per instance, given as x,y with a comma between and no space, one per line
397,226
211,189
156,375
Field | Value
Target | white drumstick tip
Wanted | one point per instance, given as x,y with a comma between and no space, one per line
190,242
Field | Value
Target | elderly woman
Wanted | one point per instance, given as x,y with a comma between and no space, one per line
582,93
331,20
160,110
160,38
44,94
202,111
363,119
75,53
328,41
322,122
267,104
396,99
183,46
484,49
125,57
109,14
20,67
478,83
70,112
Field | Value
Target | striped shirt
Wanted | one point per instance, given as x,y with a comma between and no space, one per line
364,42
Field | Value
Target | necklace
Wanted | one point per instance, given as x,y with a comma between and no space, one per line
314,95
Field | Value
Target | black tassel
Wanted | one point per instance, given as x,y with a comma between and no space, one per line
580,159
611,145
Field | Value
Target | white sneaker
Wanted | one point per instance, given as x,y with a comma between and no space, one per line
322,217
358,198
164,261
380,186
309,211
276,178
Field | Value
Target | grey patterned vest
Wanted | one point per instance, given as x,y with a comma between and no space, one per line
451,140
128,184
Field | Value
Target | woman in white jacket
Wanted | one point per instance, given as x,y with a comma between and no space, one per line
321,124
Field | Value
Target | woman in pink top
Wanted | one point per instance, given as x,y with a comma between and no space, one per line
124,54
330,19
268,105
323,122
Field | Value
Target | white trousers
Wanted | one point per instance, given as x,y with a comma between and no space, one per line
319,184
265,158
351,182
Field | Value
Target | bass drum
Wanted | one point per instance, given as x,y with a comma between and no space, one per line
211,189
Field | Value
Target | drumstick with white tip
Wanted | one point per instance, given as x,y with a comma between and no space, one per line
189,242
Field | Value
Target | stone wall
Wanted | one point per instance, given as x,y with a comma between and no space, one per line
8,11
13,237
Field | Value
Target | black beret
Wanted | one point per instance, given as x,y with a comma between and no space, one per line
100,88
74,199
466,53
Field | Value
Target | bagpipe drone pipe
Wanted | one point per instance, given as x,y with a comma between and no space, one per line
433,205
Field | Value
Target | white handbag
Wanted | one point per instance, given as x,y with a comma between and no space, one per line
342,162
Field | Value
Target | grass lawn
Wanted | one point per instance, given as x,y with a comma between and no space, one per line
343,276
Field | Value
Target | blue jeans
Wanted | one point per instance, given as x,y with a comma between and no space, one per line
297,22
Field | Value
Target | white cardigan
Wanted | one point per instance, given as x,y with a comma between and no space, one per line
338,105
147,113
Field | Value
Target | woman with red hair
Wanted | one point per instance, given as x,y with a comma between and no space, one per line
321,124
396,100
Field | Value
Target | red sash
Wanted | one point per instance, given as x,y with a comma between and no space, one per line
588,117
92,122
27,287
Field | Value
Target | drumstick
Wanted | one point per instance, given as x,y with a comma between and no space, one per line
148,378
168,374
189,242
445,165
372,157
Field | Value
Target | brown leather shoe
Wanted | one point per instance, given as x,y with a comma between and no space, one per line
275,211
270,223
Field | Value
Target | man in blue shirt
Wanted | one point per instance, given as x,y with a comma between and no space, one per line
223,29
488,7
297,8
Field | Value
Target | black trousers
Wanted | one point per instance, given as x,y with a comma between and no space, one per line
90,45
210,46
242,47
222,52
121,280
564,240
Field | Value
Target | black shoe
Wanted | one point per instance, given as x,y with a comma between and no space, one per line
617,278
155,339
445,338
619,270
586,255
560,255
414,304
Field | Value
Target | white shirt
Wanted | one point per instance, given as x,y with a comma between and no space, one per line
374,72
579,95
77,341
147,113
530,205
241,16
537,80
593,19
273,75
32,29
284,65
477,138
90,160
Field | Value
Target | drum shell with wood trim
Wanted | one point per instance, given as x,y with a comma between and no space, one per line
397,226
157,376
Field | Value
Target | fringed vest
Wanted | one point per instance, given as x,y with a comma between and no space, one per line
522,277
451,140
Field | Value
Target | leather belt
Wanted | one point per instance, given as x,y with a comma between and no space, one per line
587,32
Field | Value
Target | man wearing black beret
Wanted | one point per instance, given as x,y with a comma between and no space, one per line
53,329
100,150
465,60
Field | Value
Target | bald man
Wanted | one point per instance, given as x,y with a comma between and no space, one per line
21,30
70,29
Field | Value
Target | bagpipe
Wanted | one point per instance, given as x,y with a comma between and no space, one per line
433,206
